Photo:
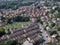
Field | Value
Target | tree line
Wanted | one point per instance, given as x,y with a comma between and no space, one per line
13,4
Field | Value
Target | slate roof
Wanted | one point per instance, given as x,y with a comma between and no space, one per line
21,35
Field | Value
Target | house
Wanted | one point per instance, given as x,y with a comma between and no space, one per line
31,33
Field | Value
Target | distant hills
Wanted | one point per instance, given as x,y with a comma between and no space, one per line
56,0
14,4
23,0
17,0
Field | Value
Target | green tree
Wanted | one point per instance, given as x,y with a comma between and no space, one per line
2,31
39,20
58,28
12,42
58,15
53,32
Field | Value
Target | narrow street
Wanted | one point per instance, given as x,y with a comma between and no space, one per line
44,34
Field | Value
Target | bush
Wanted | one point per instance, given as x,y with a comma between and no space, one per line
53,32
12,42
58,15
21,19
58,28
53,24
39,20
2,31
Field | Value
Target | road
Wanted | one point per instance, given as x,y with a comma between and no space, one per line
44,34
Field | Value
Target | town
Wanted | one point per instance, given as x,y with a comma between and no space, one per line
34,22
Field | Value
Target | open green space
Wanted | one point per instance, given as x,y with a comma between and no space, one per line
6,28
15,25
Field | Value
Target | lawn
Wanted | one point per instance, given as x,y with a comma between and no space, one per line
15,25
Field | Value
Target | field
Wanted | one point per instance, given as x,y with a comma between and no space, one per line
16,25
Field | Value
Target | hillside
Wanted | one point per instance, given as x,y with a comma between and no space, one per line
14,4
17,0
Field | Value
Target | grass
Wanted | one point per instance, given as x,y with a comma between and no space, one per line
49,43
15,25
58,15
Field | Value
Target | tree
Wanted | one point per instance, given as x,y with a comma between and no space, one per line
1,43
53,32
53,24
21,19
39,20
13,4
58,15
2,31
58,28
12,42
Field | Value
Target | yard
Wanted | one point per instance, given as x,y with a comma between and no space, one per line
15,25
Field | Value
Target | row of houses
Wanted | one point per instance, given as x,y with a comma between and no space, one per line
29,11
32,34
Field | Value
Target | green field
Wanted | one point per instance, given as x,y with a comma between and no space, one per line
15,25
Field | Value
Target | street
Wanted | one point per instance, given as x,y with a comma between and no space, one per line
44,34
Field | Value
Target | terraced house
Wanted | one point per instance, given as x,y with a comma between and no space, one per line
31,34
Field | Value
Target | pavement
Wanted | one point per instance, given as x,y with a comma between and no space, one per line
44,34
27,43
